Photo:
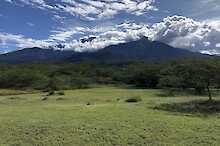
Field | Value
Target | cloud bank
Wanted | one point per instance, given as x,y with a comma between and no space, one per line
182,32
20,41
92,9
177,31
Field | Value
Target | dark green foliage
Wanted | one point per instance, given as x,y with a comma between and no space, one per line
14,98
140,74
61,93
88,103
44,98
50,93
200,107
200,75
19,78
60,98
133,99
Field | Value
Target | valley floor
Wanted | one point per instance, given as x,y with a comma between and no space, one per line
101,117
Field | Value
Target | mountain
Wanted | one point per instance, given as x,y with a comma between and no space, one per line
142,49
36,55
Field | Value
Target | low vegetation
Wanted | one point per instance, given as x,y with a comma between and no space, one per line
134,99
200,75
95,116
136,103
197,106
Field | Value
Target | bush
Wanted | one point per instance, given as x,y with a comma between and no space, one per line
51,93
59,98
205,107
88,103
133,99
61,93
44,98
14,98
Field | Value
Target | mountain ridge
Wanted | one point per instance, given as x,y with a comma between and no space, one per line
142,49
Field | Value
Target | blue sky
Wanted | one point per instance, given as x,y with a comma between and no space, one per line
189,24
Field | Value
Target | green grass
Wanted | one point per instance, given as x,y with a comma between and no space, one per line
68,120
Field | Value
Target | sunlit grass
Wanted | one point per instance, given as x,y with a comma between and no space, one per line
67,120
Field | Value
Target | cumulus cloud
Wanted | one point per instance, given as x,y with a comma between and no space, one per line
218,45
41,4
63,35
66,34
30,24
9,1
92,9
121,33
177,31
20,41
215,23
183,32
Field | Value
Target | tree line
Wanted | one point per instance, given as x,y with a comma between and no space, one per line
200,75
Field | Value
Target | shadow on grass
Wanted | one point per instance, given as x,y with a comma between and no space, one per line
194,107
179,92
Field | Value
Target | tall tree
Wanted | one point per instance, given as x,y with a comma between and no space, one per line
198,74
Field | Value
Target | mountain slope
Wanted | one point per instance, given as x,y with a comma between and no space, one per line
142,49
36,55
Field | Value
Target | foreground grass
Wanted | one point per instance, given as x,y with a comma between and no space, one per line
99,116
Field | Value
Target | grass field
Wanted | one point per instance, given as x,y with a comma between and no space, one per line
101,117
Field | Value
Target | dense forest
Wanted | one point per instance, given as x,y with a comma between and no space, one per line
200,75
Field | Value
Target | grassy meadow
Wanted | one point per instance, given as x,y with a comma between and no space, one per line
100,116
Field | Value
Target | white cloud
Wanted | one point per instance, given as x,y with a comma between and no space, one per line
215,23
210,52
9,1
63,35
109,8
30,24
20,41
218,45
92,9
206,44
41,4
121,33
183,32
177,31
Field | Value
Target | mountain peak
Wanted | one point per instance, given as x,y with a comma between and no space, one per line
139,50
144,38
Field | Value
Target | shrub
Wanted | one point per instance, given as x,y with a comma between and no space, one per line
44,98
13,98
60,93
59,98
51,93
133,99
88,103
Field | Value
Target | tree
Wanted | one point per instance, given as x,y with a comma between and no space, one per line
143,75
198,74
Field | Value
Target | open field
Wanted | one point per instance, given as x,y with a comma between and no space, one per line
101,117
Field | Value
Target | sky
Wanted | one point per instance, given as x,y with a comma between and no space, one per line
187,24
